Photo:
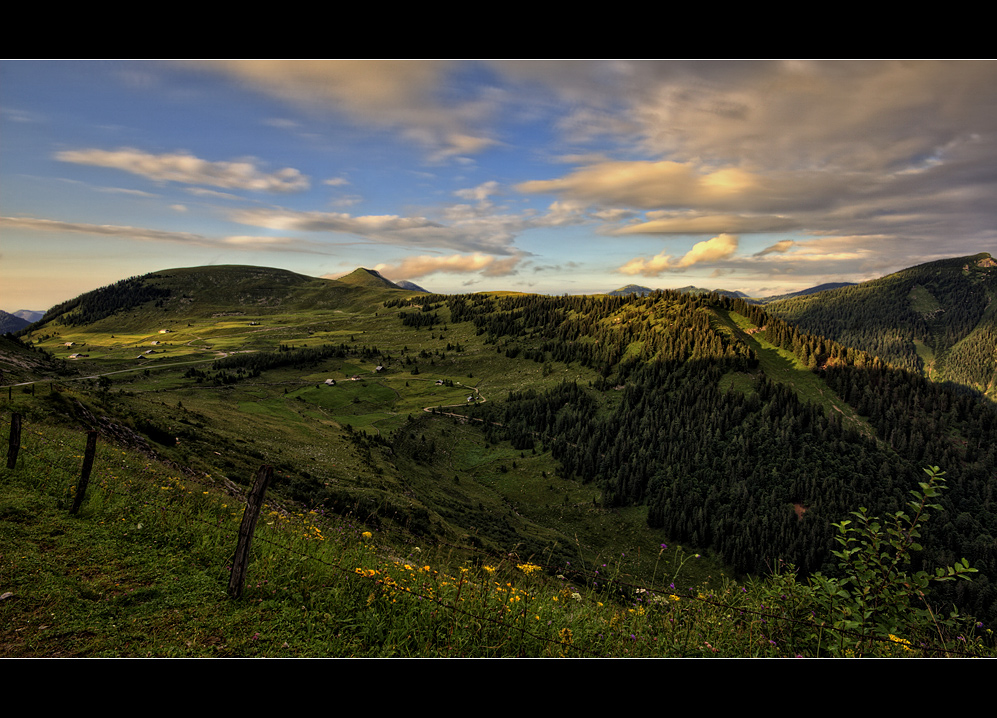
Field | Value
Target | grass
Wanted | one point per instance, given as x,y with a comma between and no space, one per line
290,418
142,572
784,367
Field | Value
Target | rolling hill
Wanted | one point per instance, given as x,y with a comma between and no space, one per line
174,295
556,425
938,319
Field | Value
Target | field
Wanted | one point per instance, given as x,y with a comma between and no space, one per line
439,474
378,411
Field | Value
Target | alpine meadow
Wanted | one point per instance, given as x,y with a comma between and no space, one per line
659,473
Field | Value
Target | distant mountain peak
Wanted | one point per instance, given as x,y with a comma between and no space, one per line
631,289
363,277
411,286
11,322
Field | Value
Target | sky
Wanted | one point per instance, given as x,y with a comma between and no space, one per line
555,177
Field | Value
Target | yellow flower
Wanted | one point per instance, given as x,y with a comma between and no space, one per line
902,641
367,535
528,568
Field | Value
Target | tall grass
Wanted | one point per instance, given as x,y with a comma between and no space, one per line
142,571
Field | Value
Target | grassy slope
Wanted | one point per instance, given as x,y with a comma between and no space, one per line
142,571
906,317
784,367
292,419
489,497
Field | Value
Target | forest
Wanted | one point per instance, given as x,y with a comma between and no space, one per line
752,471
741,429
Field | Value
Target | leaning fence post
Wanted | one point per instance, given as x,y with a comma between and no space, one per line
254,502
81,485
14,444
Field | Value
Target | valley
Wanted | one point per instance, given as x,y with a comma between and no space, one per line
560,429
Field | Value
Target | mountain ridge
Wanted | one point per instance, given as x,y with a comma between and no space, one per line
938,319
660,405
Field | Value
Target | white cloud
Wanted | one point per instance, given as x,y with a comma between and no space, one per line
405,95
654,185
328,221
188,169
467,228
144,234
488,265
780,247
902,149
481,193
718,248
105,230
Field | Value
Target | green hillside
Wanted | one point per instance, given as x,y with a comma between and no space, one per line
563,429
368,278
939,319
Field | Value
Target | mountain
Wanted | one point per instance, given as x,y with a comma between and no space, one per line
177,294
555,425
11,323
804,292
631,289
411,286
938,319
29,315
644,291
368,278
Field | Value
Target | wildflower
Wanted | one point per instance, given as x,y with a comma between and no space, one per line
489,569
367,535
528,568
902,641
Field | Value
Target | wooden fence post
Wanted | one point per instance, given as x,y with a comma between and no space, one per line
14,445
81,486
254,502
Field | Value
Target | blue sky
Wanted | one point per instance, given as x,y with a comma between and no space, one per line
554,177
